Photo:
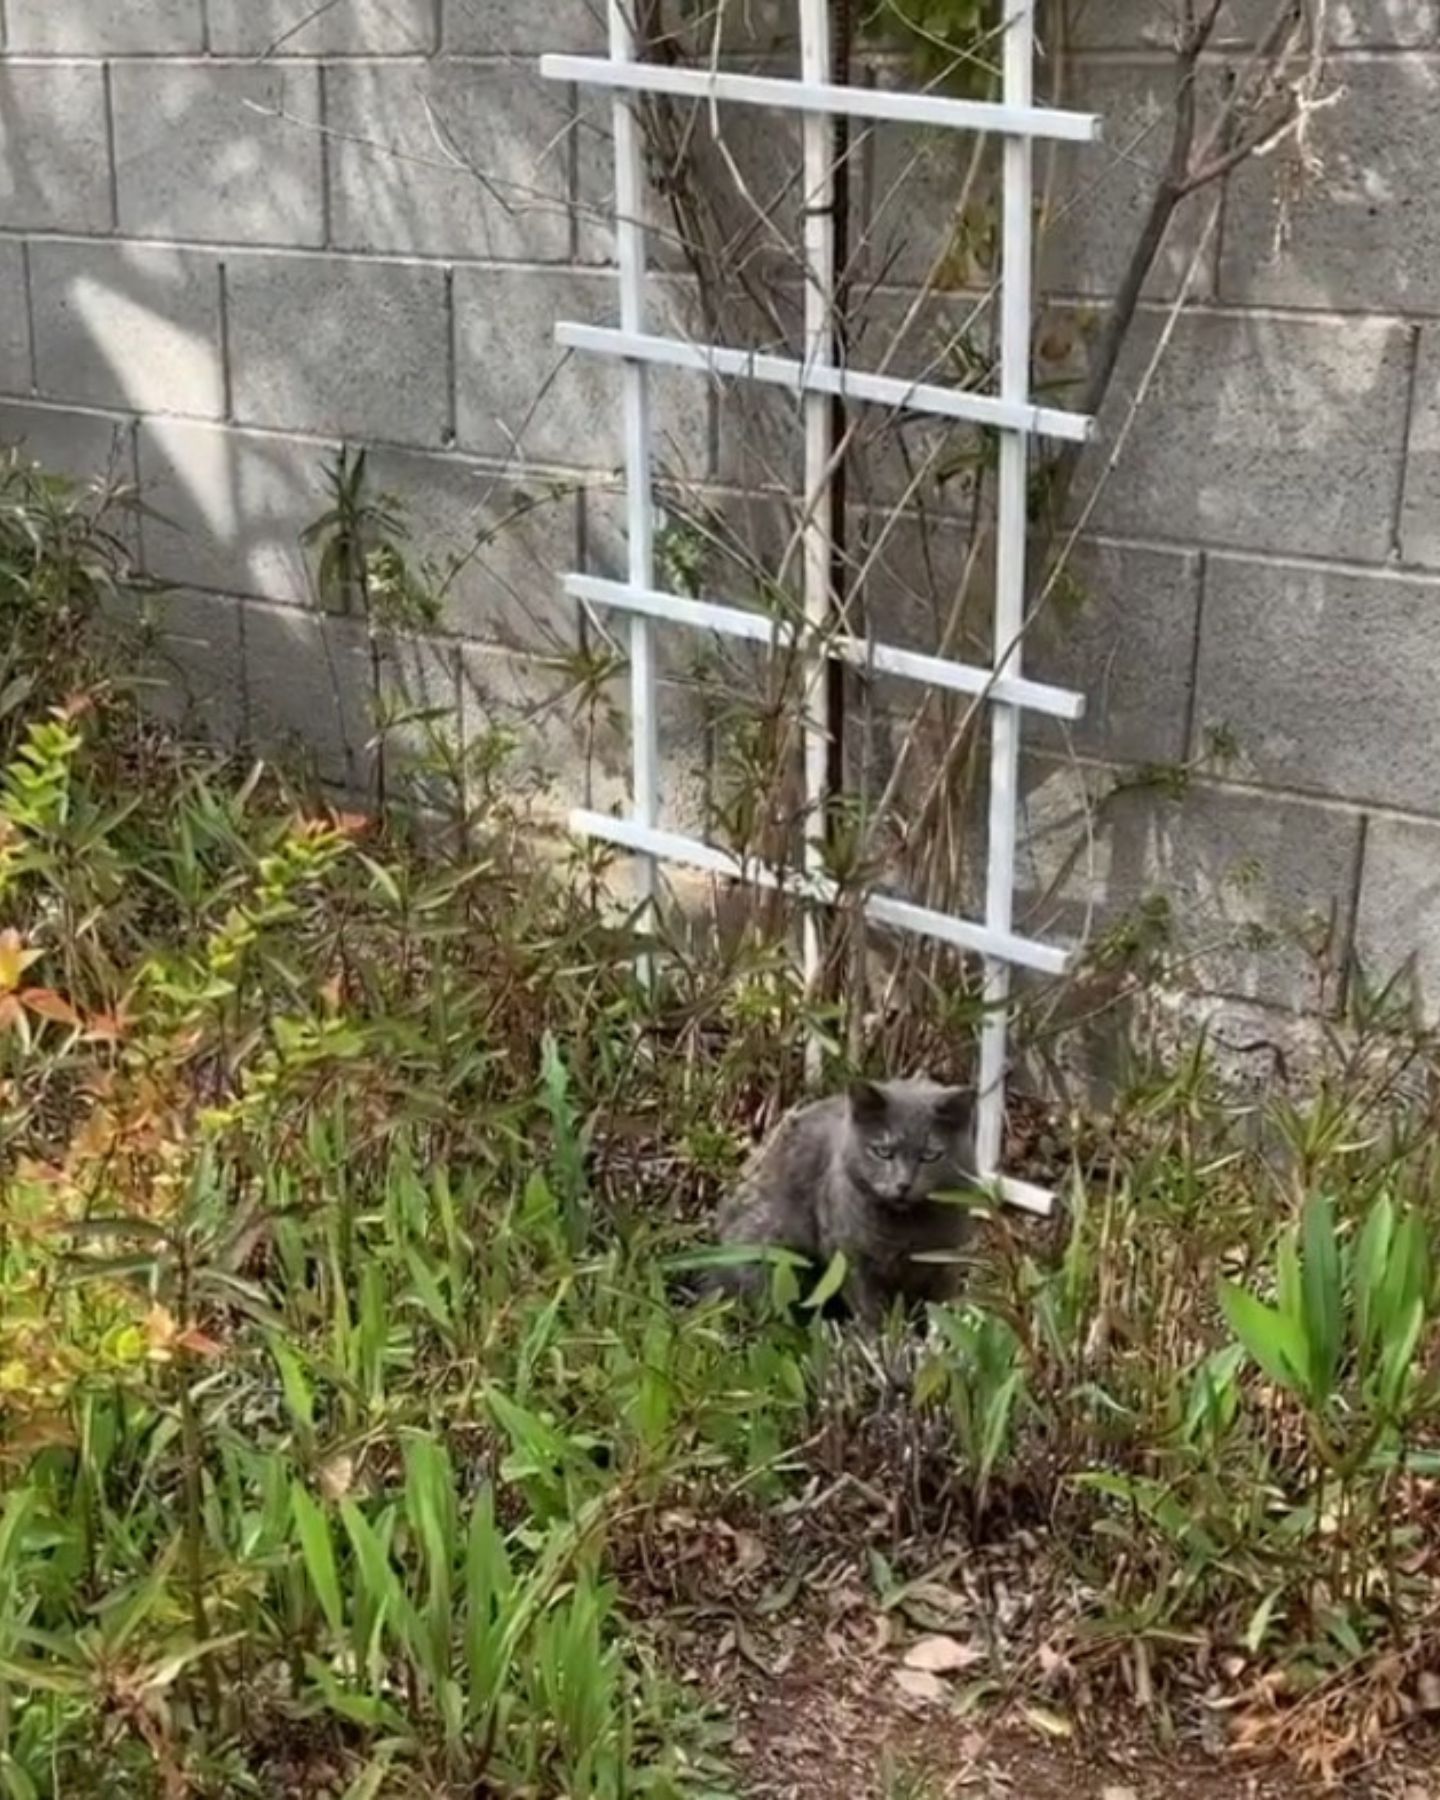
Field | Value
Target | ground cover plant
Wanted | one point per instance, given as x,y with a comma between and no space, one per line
361,1433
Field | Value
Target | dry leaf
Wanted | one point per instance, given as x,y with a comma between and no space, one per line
1048,1724
920,1684
160,1330
45,1003
749,1552
1427,1690
165,1337
1118,1793
934,1607
335,1477
942,1655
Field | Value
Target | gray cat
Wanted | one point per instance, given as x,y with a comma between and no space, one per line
857,1173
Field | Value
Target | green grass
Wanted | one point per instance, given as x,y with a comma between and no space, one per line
347,1373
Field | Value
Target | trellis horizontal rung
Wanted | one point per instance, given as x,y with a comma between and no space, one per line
882,909
881,104
844,384
860,653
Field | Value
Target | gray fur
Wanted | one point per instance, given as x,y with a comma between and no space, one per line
856,1173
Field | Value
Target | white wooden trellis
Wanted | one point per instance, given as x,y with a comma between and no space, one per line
819,378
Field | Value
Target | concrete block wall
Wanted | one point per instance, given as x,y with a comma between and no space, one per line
234,233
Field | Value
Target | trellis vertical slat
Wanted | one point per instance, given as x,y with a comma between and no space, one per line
1015,328
819,202
630,251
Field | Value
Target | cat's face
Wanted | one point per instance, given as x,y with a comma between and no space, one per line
909,1140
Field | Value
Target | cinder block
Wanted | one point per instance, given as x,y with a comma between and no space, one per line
569,750
104,27
726,547
521,396
1349,24
1420,514
301,28
1398,928
556,753
128,325
1121,630
1262,432
14,319
86,446
219,152
1131,24
1326,679
893,457
227,508
322,694
520,27
54,158
311,691
1361,233
1101,192
342,347
750,172
764,27
193,664
494,547
416,752
1255,884
906,186
449,159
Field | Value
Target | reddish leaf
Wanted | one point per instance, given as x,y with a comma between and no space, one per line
47,1004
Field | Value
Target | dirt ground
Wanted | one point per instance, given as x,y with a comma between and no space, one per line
825,1731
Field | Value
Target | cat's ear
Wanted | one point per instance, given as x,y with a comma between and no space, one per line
955,1109
868,1105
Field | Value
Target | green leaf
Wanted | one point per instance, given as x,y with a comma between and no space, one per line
1289,1293
1259,1622
382,1584
1321,1293
1407,1278
1275,1342
830,1283
998,1411
488,1587
298,1396
17,1784
1399,1358
319,1554
430,1502
43,1677
1370,1261
370,1781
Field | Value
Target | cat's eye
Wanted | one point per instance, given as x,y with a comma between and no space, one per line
885,1152
930,1154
